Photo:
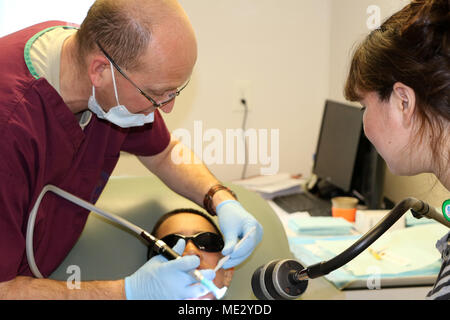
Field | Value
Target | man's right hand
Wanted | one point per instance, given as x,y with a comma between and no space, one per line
160,279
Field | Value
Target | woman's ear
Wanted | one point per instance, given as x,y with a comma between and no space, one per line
404,99
228,276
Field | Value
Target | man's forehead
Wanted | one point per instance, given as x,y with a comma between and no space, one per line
162,71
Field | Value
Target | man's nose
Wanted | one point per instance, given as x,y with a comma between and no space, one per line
168,107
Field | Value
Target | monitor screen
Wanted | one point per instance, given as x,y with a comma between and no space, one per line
337,147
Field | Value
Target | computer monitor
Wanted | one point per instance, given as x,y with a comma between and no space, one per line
345,159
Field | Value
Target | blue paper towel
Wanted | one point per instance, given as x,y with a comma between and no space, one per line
320,226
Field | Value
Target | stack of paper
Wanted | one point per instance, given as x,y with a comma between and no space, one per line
270,187
320,226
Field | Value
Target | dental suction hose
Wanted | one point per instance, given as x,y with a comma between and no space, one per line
158,245
287,279
78,201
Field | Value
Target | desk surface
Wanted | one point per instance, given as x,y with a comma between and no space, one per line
322,289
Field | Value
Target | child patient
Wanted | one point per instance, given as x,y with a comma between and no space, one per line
203,239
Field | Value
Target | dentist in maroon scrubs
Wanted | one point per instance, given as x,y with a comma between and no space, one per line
73,98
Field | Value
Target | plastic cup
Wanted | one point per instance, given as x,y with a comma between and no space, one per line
344,207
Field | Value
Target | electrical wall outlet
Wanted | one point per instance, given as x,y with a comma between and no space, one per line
242,89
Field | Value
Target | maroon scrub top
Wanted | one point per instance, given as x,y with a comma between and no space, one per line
41,143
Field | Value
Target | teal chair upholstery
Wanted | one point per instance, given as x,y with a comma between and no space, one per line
107,251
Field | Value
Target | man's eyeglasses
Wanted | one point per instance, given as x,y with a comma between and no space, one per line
205,241
155,104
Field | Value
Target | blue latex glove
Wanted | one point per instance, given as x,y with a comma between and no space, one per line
235,222
160,279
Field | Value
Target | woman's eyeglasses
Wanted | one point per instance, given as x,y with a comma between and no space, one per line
205,241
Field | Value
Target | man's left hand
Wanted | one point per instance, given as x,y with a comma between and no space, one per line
235,222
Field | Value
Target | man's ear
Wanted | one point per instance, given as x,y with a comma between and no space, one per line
97,66
404,99
228,275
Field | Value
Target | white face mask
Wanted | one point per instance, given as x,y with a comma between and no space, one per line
119,115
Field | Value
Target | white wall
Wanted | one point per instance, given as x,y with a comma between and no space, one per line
279,53
17,14
280,50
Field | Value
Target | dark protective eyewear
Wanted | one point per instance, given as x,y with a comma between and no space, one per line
205,241
155,104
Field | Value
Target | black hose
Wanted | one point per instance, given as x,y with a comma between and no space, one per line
244,126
